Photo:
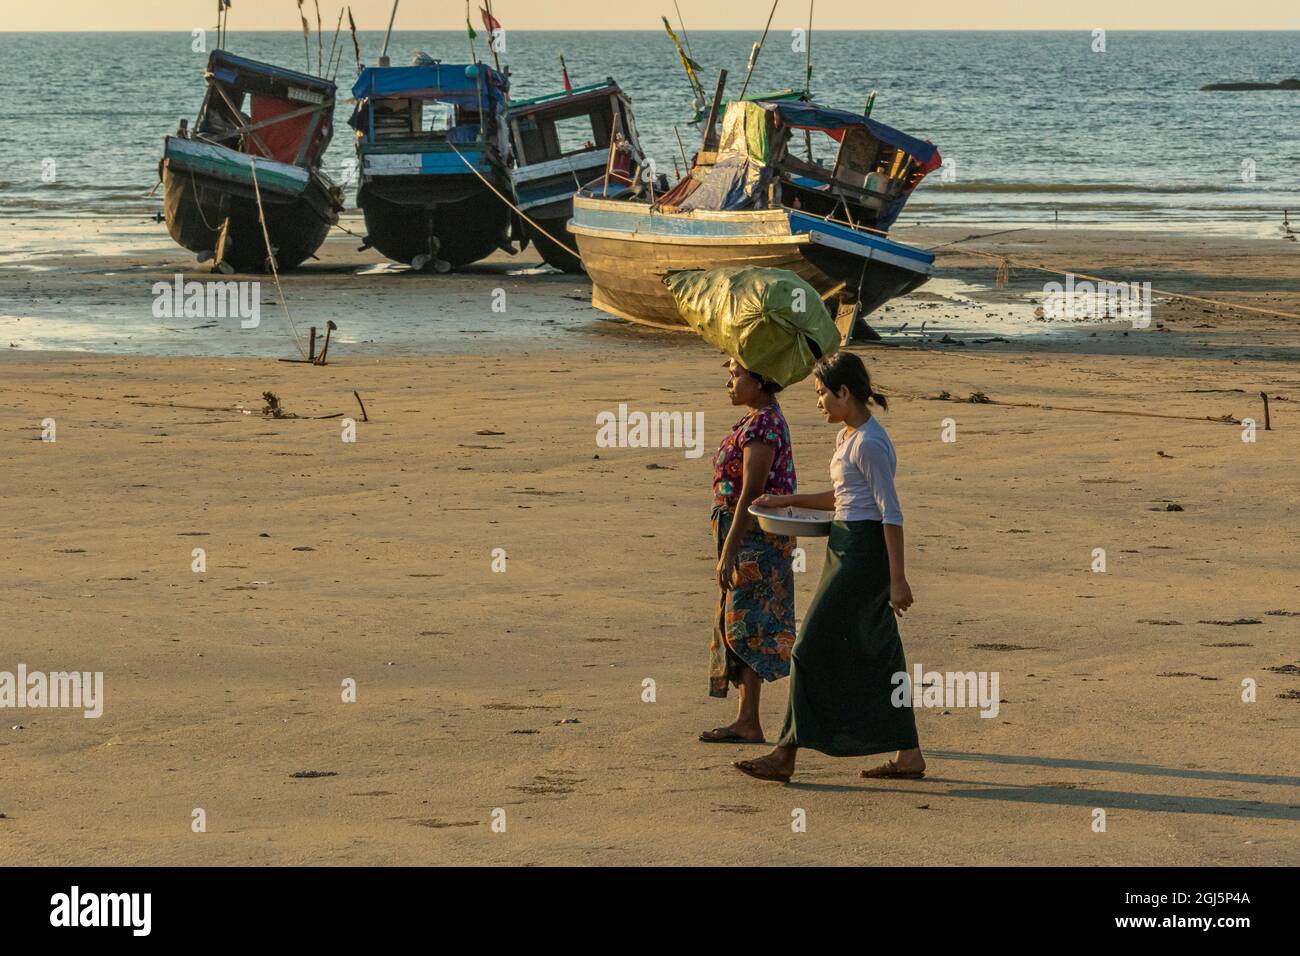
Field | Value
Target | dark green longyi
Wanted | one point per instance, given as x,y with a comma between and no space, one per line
846,654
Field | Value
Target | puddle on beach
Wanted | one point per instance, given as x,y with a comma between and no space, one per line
382,268
393,324
967,311
441,321
386,308
58,236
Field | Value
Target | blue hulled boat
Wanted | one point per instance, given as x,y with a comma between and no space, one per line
422,133
749,200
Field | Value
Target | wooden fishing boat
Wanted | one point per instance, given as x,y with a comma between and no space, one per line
628,248
431,148
210,199
749,201
561,142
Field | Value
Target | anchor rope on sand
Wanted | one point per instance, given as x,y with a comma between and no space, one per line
354,235
985,400
1006,262
275,272
563,245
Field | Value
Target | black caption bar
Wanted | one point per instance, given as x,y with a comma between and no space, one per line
331,905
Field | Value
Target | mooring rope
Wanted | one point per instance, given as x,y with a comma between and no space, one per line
563,245
198,204
354,235
275,272
1006,262
1222,420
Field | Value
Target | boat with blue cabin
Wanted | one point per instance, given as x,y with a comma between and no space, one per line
749,200
252,157
431,148
562,142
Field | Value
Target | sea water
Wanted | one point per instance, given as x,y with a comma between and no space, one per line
1034,126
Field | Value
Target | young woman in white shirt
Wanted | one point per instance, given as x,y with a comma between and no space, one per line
844,661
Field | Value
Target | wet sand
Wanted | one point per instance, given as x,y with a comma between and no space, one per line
68,284
480,691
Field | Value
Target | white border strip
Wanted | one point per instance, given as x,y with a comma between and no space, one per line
872,252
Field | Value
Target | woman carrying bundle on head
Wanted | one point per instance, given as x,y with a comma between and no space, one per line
754,626
844,662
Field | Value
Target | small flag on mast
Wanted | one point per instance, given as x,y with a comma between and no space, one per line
693,69
493,27
568,87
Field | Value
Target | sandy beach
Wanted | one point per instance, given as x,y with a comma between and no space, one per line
480,691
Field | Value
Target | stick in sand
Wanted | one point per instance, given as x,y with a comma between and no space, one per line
364,416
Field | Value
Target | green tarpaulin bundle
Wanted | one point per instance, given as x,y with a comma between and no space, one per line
769,320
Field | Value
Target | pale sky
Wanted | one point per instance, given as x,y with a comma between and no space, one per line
748,15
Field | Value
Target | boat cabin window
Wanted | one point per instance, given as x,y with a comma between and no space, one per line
862,166
856,160
438,117
859,172
416,119
552,137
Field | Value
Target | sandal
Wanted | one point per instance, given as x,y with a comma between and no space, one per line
725,735
758,772
890,771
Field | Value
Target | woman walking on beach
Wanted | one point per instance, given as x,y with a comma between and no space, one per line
849,649
754,627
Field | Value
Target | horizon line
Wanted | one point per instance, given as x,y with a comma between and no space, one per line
731,30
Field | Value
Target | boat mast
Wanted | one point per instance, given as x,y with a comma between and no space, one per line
807,81
492,45
223,23
709,143
383,56
682,22
753,54
329,64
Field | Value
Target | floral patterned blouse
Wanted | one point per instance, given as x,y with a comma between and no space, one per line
768,426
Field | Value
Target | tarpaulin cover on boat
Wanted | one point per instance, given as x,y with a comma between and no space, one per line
283,138
427,82
738,178
769,320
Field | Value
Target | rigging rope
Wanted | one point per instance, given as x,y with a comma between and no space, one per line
270,258
1006,261
563,245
